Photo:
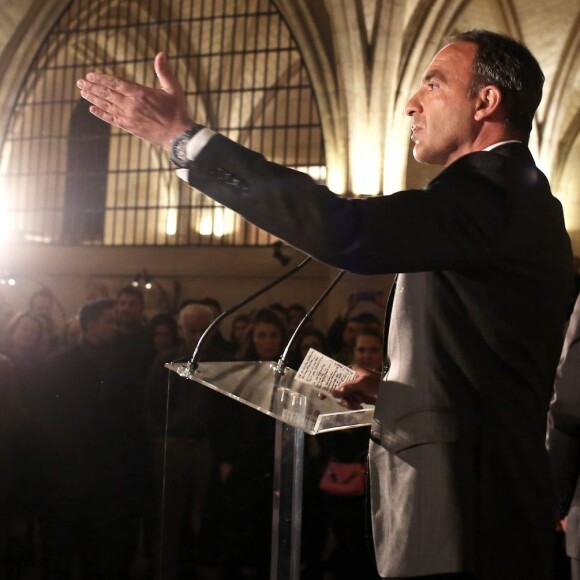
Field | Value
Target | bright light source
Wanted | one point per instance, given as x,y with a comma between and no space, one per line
365,170
7,279
171,221
317,172
216,221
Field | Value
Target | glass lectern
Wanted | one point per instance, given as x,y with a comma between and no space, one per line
298,409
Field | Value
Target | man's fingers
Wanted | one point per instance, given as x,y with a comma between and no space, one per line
101,96
122,86
103,115
167,80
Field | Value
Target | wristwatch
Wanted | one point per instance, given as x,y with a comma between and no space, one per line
178,155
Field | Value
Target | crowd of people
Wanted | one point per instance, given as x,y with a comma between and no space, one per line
114,468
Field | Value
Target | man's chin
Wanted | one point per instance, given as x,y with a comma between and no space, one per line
424,156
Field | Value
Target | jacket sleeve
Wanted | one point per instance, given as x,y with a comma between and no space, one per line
457,220
564,420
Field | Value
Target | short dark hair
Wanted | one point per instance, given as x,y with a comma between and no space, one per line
132,291
510,66
213,303
371,331
92,311
366,319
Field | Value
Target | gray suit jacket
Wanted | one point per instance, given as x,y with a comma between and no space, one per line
459,472
564,435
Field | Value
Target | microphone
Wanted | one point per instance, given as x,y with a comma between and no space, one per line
283,360
192,365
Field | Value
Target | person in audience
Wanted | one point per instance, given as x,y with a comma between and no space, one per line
238,517
71,332
161,335
162,332
280,310
240,326
179,416
353,553
217,338
41,304
130,312
12,540
368,349
92,454
308,338
295,313
24,347
349,332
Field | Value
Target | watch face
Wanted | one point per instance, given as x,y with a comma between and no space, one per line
179,147
179,150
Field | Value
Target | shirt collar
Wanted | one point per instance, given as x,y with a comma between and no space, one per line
500,143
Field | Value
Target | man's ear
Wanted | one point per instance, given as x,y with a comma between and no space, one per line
488,101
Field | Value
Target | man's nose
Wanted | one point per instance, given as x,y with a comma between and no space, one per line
413,106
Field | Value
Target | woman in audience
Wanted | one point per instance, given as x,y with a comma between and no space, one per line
345,454
239,506
309,338
240,327
24,349
161,335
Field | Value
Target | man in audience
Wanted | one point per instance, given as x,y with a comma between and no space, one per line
130,311
92,450
179,415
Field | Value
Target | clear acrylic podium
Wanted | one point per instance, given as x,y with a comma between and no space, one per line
298,409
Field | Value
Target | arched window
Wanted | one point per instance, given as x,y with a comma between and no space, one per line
69,179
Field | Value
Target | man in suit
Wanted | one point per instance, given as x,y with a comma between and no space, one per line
564,439
460,484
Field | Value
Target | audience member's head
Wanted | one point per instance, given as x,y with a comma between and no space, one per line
192,322
312,338
350,331
266,337
25,335
279,309
295,313
97,322
129,310
213,304
162,332
368,319
41,303
240,326
368,349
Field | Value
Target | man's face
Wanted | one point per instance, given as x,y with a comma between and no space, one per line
128,309
443,126
192,326
103,330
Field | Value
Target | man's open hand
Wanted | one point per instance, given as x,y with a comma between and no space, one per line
156,115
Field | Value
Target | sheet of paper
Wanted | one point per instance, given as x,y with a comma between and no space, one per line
322,371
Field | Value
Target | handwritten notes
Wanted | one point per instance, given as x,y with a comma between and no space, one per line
323,372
